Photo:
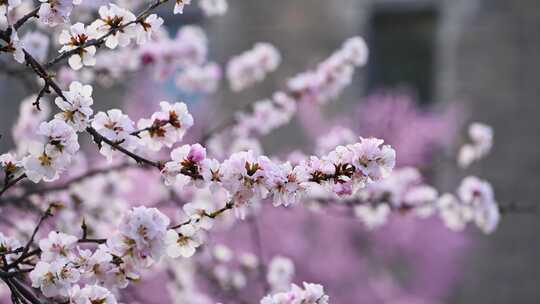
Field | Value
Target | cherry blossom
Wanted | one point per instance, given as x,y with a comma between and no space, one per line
482,140
280,273
479,195
183,243
179,6
76,109
185,165
252,66
76,38
56,12
9,163
15,46
373,216
165,127
115,126
203,78
47,159
91,294
9,244
145,28
310,294
57,247
54,279
143,233
112,17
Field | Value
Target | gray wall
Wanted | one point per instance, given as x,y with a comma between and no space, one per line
490,58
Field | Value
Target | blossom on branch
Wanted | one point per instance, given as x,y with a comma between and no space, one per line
179,6
165,127
112,18
252,66
76,108
76,38
56,12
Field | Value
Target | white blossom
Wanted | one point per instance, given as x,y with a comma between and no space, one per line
116,127
76,109
112,17
481,136
144,29
9,244
373,216
91,294
57,247
54,279
179,6
183,243
165,127
56,12
75,38
280,273
143,230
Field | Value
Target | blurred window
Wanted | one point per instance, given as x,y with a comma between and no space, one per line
402,49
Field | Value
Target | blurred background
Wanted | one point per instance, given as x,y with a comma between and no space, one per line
480,57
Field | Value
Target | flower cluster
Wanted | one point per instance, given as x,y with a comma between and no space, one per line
76,39
52,154
476,203
252,66
8,247
179,6
15,47
321,85
280,273
267,115
111,18
404,190
204,78
139,242
482,140
309,294
231,270
6,7
56,12
116,127
248,177
165,127
76,107
332,75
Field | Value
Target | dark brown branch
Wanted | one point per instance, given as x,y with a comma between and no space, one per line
212,215
12,183
75,180
100,139
28,16
92,241
45,215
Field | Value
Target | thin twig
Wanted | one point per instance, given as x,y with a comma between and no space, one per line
12,183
